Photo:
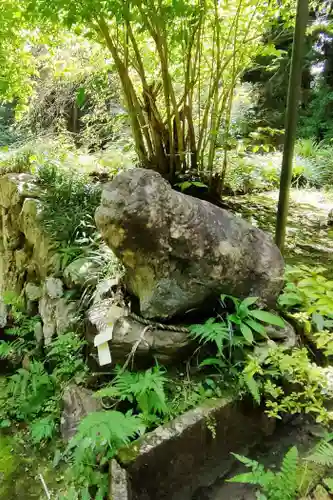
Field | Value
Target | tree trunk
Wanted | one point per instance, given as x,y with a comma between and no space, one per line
291,120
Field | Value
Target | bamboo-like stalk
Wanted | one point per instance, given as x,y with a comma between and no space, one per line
133,108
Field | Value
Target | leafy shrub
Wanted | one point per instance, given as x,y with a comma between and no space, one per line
288,382
68,205
316,122
259,172
317,159
65,355
309,293
20,334
323,452
33,393
28,390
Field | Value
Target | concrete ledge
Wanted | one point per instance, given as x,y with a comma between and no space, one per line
178,458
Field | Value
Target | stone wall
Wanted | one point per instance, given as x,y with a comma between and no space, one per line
29,262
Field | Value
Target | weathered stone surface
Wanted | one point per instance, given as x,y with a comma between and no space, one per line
54,287
43,257
81,272
16,187
166,346
46,309
104,288
66,314
25,251
119,488
286,334
78,402
58,316
191,451
179,251
33,292
3,313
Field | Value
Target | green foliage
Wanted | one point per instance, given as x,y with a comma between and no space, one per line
7,133
309,293
16,61
323,452
316,122
33,393
68,205
98,438
282,485
329,483
27,392
250,173
65,354
42,429
184,186
288,382
170,60
317,158
146,390
20,334
184,394
242,326
248,320
212,331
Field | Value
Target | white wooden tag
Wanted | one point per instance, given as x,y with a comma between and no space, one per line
101,341
104,354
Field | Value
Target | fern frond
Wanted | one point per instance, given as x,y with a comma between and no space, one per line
211,331
104,429
248,462
280,485
258,475
145,388
286,482
42,429
323,454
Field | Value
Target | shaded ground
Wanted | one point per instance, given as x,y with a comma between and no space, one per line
309,238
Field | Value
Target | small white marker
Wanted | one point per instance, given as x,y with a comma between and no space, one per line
101,341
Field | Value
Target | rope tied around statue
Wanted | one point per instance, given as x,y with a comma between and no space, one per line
156,325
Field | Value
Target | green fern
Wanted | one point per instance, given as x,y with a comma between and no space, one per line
287,482
103,433
323,454
42,429
144,389
65,352
213,332
28,391
99,436
280,485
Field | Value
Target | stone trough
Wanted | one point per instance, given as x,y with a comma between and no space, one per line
176,460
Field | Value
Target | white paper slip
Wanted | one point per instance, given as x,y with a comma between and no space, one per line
101,341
